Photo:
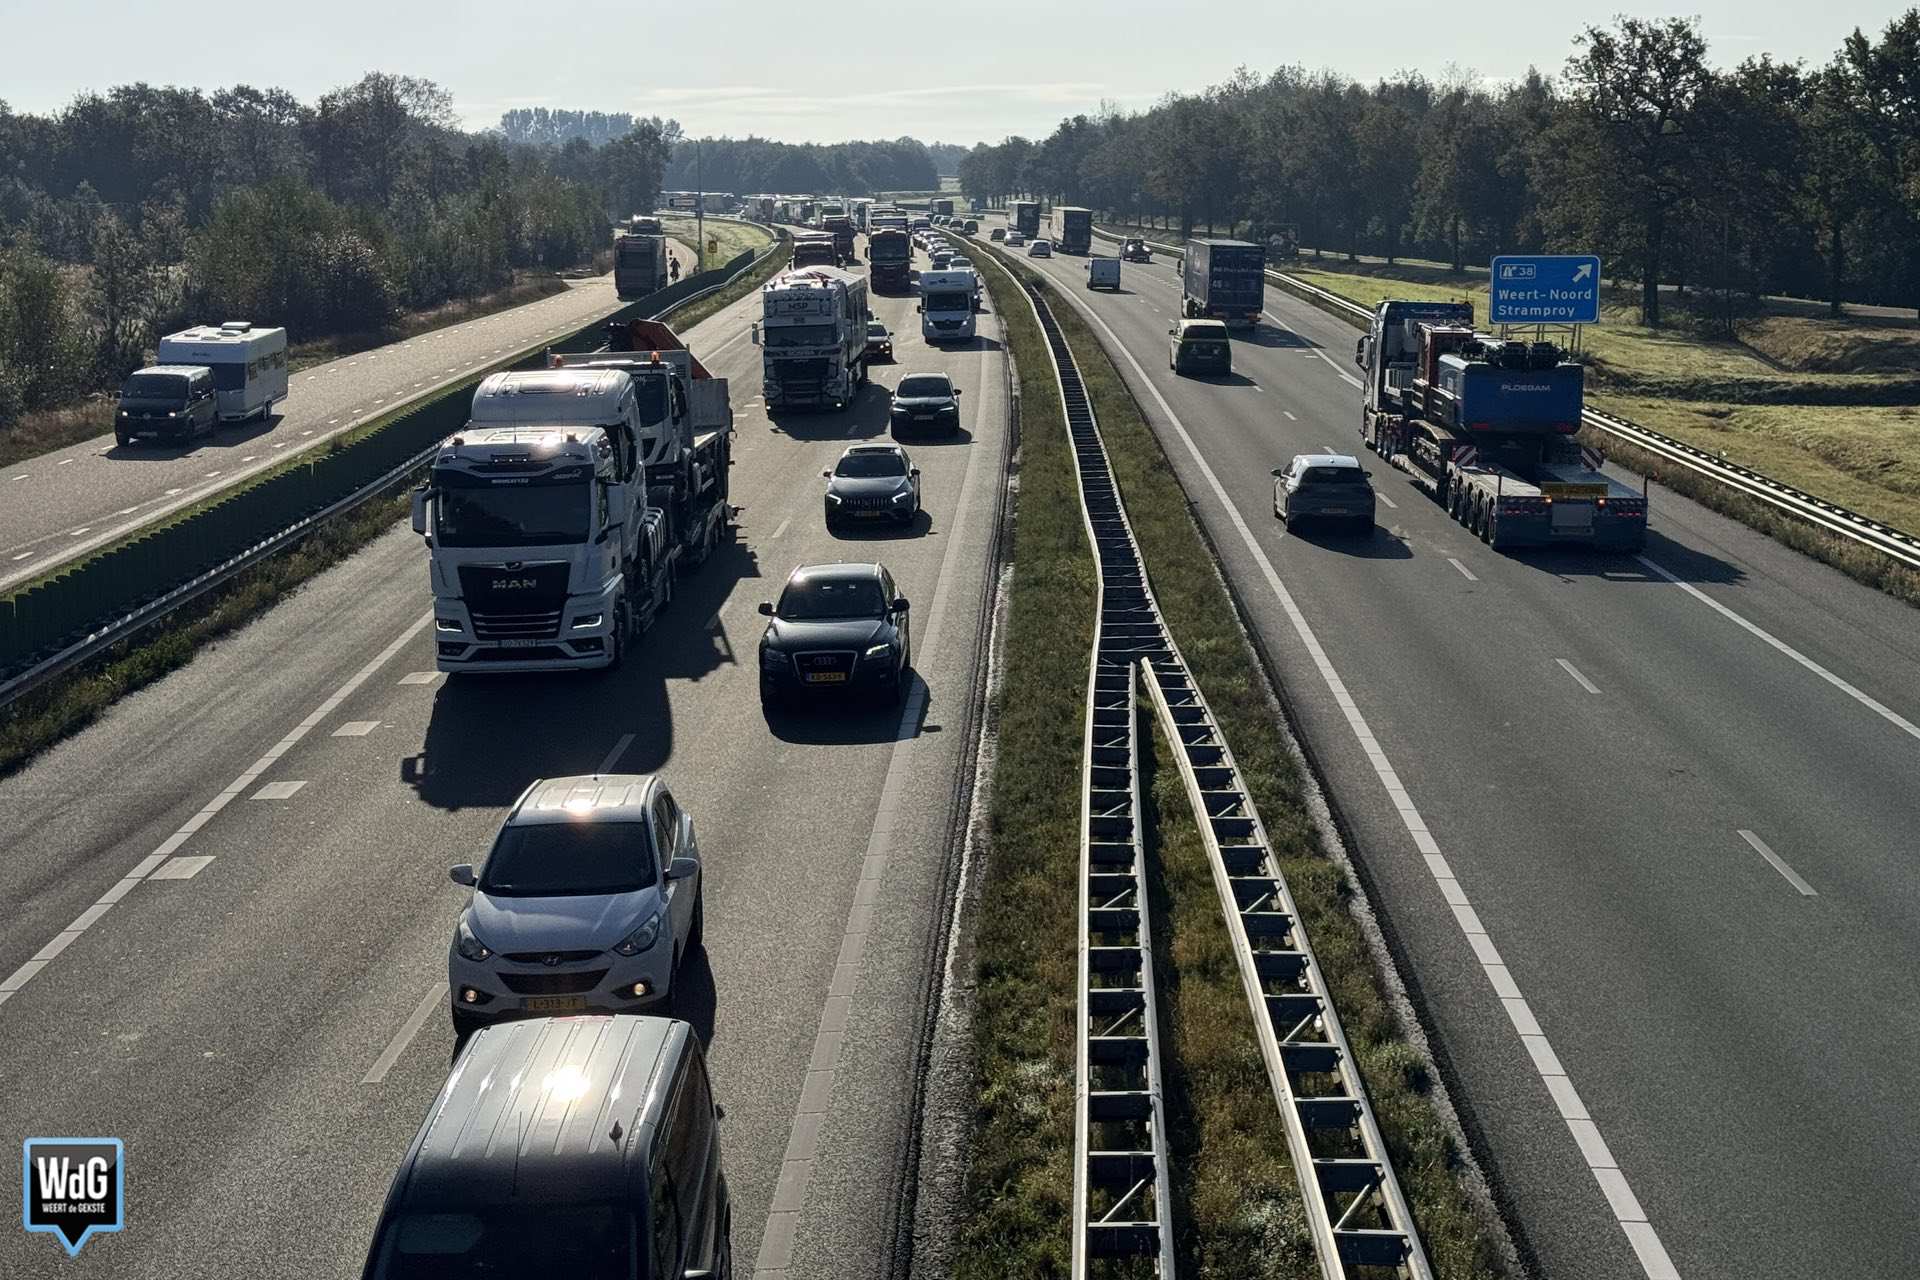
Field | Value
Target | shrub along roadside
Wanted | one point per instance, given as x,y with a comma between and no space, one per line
76,698
1235,1220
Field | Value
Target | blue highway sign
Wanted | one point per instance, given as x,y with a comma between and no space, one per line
1539,289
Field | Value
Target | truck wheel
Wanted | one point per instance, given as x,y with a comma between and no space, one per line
617,637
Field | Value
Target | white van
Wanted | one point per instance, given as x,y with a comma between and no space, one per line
1103,273
946,305
249,365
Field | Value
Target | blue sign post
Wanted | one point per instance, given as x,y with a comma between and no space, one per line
1545,289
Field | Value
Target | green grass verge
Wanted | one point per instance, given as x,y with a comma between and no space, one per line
76,699
684,318
735,238
1236,1201
1214,1060
1019,1185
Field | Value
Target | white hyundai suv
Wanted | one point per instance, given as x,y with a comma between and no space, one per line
586,903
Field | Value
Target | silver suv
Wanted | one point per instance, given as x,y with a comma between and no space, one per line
586,903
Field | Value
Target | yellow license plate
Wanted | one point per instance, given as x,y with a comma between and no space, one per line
826,677
556,1004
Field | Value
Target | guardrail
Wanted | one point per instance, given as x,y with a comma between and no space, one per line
1355,1210
53,625
1894,543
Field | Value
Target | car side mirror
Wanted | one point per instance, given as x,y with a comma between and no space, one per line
420,510
826,475
899,604
1278,472
913,471
1360,352
956,393
766,608
756,335
462,874
681,868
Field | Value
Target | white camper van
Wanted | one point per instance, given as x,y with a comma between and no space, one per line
249,365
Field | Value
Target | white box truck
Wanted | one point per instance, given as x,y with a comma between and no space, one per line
249,365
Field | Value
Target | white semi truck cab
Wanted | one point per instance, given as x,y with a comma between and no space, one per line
813,338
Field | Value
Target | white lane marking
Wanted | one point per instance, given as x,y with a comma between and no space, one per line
1779,864
250,457
356,728
23,555
171,492
1639,1232
1889,714
613,755
126,511
181,868
1464,571
1326,448
213,473
796,1165
149,864
77,532
63,462
1290,417
404,1036
419,677
278,791
19,478
281,445
330,422
1389,501
853,426
1574,671
782,528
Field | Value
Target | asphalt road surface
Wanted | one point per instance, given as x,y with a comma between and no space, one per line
265,1028
1650,872
64,504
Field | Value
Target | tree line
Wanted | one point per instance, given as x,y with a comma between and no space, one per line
135,210
756,166
1767,177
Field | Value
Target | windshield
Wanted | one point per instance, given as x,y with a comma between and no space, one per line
531,515
557,859
819,599
156,386
586,1242
1205,333
798,335
925,386
1334,475
867,465
875,329
949,300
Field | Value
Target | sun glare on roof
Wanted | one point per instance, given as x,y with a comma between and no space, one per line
564,1084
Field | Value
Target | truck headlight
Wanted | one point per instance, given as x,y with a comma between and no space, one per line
446,624
586,620
640,939
470,947
903,495
834,498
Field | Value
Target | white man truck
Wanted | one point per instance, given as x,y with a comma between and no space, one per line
946,305
556,519
813,338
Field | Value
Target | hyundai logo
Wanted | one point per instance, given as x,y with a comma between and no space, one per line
550,959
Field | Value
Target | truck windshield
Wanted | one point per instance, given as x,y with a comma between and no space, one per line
517,516
592,1242
798,335
949,300
560,859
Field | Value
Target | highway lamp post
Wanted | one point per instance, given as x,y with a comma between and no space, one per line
699,209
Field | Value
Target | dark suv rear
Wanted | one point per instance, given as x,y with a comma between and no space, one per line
165,402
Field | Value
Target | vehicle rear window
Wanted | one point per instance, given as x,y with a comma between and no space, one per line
1334,475
820,599
156,386
871,464
1206,332
560,859
925,385
591,1242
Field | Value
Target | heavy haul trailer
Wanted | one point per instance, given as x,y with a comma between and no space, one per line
1487,427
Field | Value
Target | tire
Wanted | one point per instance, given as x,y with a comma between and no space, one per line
122,439
617,638
697,931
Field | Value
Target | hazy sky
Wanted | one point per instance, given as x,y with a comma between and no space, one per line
966,73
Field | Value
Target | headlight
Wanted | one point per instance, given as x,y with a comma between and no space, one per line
446,624
880,651
470,947
833,497
640,939
586,620
903,495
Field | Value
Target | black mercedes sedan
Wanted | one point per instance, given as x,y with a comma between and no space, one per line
836,629
873,482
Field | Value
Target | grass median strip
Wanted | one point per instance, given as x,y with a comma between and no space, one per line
1237,1206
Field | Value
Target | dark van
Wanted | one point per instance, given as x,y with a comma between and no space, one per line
165,402
585,1147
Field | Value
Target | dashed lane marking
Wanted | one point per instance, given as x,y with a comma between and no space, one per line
1779,864
278,790
1581,680
420,677
182,868
436,995
356,728
614,753
1464,571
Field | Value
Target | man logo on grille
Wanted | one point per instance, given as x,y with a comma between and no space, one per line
72,1187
